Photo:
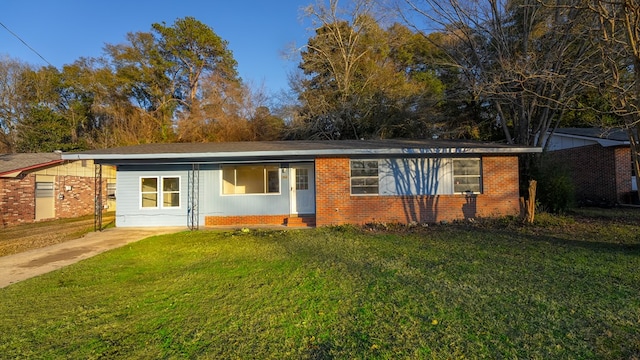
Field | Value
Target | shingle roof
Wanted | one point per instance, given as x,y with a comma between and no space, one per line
286,149
10,163
598,133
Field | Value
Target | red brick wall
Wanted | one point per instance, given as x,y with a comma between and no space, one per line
335,205
599,173
17,200
245,220
79,200
622,157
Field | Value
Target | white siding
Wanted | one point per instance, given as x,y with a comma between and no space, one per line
416,176
211,201
129,213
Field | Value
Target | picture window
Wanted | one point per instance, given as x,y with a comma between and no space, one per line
364,177
250,179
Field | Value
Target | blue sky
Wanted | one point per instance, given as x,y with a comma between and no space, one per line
62,31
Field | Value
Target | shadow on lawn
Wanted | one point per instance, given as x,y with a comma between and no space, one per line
628,245
319,351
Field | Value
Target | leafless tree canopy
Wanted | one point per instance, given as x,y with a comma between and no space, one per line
525,60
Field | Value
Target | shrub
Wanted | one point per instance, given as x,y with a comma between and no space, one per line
555,192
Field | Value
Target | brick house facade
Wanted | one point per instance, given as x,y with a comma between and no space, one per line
335,205
68,188
599,164
600,174
298,183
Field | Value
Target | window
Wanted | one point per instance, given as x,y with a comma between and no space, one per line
111,191
364,177
149,192
250,179
44,189
170,192
466,175
302,179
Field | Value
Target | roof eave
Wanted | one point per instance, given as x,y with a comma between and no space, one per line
10,174
298,153
602,142
17,172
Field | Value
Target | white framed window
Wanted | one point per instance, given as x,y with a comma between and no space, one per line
250,179
160,192
171,192
467,175
364,177
149,192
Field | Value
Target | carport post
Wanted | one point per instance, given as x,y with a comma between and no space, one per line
97,214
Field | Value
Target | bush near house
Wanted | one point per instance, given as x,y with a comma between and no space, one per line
556,190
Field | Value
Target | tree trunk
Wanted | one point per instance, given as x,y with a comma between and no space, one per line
530,204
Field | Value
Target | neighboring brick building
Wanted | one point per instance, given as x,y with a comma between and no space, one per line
312,182
599,162
41,186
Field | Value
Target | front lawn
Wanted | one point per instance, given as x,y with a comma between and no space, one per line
565,290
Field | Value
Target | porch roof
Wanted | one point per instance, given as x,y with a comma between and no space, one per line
202,152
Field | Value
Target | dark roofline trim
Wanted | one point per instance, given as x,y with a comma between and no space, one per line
189,161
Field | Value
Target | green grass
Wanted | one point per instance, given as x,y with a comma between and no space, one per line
562,291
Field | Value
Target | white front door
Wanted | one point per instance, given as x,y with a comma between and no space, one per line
303,189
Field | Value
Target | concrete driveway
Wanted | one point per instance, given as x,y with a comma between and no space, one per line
28,264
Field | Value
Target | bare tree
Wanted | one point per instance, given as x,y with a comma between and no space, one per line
525,60
11,104
617,38
220,114
334,59
360,79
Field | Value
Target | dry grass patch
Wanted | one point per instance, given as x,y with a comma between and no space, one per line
19,238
